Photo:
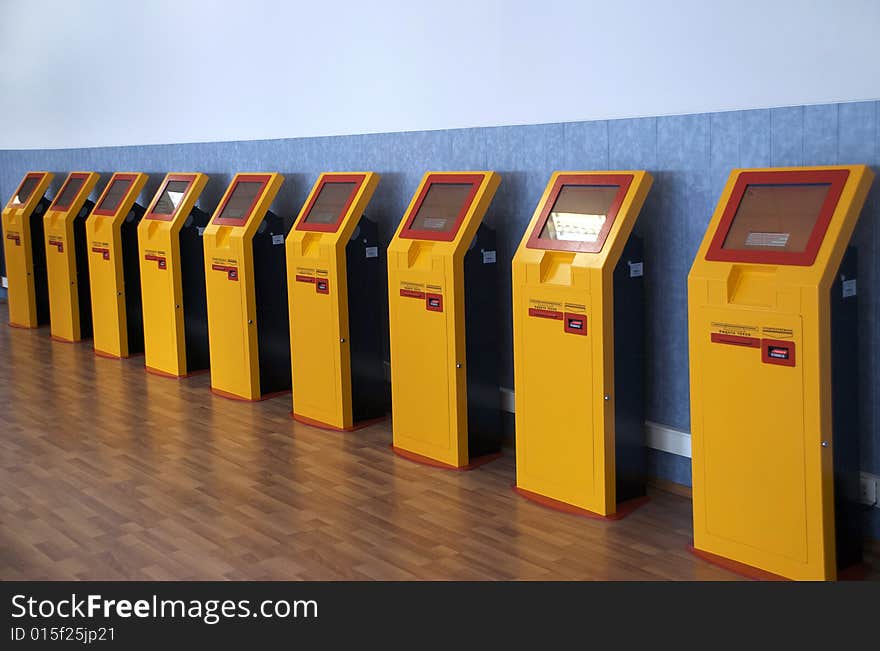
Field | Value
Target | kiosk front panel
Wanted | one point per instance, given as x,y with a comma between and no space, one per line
336,291
114,273
245,271
772,327
443,316
578,352
25,252
67,260
172,262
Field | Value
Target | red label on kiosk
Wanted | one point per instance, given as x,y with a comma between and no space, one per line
105,253
434,302
545,314
576,324
231,272
58,244
774,351
411,293
162,264
15,237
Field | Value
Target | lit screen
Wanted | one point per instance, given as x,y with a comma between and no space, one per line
114,195
579,213
330,203
776,217
242,198
171,197
68,193
441,207
27,187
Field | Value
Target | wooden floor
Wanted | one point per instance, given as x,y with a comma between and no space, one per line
107,472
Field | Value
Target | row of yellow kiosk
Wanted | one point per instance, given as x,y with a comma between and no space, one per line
772,328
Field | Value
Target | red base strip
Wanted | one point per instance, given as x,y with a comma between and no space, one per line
623,509
232,396
22,327
305,420
160,373
101,353
736,567
433,463
65,340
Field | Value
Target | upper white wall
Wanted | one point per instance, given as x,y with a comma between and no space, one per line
114,72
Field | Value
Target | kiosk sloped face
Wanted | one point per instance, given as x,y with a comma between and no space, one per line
25,252
231,270
67,260
163,266
575,264
766,453
114,276
427,285
326,328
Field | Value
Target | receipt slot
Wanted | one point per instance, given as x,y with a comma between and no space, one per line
772,299
578,332
443,318
172,262
114,273
67,259
336,289
25,251
246,281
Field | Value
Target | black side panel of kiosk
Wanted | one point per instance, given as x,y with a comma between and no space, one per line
41,274
83,287
131,272
481,346
270,291
845,414
366,273
631,455
195,302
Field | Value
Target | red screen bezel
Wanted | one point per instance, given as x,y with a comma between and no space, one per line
835,179
241,221
357,179
622,181
73,175
37,175
188,178
116,177
475,180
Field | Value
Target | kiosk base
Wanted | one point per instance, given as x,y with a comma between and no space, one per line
736,567
160,373
623,508
433,463
305,420
232,396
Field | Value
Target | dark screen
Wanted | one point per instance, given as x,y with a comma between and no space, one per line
330,203
242,198
68,193
27,187
171,197
114,195
441,207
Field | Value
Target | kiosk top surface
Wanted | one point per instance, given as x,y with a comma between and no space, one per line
240,199
330,202
579,212
777,216
170,196
26,188
441,206
71,188
115,194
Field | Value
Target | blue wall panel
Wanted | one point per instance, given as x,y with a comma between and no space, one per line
690,157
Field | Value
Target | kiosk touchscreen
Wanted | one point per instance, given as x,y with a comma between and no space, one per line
172,265
772,298
25,252
246,281
443,319
67,260
114,273
336,292
578,332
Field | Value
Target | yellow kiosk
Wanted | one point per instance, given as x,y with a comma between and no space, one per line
172,266
114,273
773,351
578,332
443,318
336,297
67,260
25,252
246,281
